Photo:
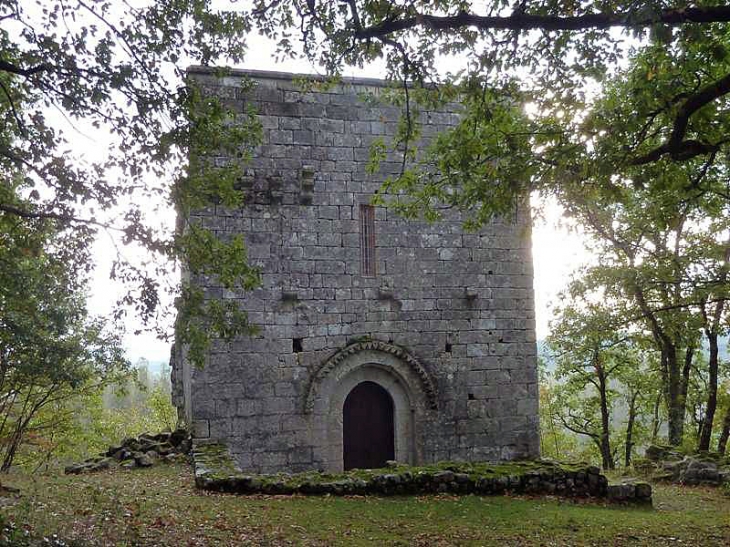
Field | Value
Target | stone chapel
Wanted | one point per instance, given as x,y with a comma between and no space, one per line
380,338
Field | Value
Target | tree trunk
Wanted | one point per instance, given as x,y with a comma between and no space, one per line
676,402
674,380
711,332
630,428
725,433
554,429
700,421
605,443
656,423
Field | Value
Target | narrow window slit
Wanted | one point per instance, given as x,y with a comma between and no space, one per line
367,240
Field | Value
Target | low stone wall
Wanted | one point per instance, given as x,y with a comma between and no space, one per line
216,471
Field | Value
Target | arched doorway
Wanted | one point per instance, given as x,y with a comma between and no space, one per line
411,390
368,432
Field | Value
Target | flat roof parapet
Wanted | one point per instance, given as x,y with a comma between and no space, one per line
288,76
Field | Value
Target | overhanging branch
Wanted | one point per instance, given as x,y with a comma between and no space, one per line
524,21
14,69
50,215
677,146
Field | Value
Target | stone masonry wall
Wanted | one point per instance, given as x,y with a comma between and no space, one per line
460,304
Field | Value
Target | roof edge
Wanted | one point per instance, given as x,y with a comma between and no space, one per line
277,75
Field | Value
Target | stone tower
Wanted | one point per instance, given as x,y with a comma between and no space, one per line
381,338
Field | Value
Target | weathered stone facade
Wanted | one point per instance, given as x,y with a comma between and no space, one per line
443,320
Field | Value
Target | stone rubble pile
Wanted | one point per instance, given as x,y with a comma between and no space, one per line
142,451
698,469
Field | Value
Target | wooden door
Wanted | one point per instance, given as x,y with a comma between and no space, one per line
367,424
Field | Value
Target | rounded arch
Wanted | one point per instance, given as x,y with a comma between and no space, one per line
391,357
402,376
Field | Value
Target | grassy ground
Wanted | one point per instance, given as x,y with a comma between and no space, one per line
160,506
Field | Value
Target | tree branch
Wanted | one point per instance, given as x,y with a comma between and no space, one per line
523,21
575,429
23,213
677,147
11,103
14,69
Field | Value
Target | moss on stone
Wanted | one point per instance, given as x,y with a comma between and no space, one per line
215,470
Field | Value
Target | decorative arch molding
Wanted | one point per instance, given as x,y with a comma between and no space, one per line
382,355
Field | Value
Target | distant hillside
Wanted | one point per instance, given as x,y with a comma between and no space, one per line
544,354
153,367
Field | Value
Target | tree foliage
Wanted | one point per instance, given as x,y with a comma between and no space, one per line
97,415
72,71
592,351
49,347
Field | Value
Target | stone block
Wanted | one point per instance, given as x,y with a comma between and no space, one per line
278,405
299,455
248,407
201,429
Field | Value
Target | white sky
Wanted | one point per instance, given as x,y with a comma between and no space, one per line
556,251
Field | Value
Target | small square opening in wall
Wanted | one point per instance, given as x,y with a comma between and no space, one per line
471,397
296,345
447,347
